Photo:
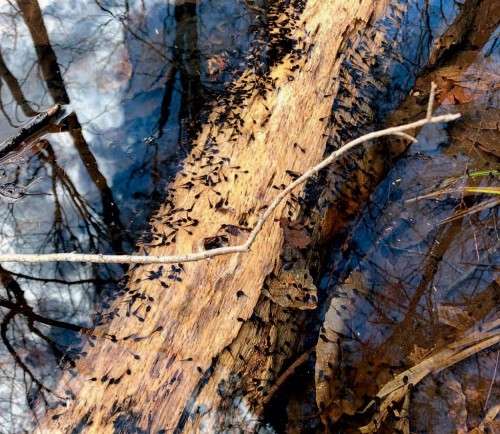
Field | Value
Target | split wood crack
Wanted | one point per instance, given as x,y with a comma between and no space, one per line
245,247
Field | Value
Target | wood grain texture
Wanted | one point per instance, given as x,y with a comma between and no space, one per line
181,376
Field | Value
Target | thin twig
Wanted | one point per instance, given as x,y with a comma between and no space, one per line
430,104
492,383
25,310
245,247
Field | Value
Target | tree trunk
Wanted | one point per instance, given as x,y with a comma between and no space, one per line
198,347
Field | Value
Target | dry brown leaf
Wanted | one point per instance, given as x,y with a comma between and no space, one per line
327,378
457,95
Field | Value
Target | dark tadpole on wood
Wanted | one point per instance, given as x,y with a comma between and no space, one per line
215,242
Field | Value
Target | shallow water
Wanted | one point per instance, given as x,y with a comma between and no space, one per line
416,270
134,78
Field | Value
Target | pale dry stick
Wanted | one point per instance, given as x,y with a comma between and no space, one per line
432,96
472,342
245,247
492,382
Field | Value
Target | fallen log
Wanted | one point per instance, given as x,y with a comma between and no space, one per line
196,346
201,307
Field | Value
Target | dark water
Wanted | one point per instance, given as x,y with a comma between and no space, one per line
134,78
410,275
415,271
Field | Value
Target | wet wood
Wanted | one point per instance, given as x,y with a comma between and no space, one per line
28,131
196,346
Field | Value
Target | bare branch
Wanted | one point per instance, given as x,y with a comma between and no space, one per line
430,104
245,247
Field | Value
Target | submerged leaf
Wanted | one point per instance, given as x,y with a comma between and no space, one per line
454,316
331,397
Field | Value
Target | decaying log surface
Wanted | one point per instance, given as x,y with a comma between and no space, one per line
196,346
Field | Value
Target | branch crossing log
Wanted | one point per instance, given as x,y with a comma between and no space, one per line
181,343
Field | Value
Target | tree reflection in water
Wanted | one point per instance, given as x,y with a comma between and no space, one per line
133,76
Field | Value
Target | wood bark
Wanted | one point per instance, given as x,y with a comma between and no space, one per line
198,347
